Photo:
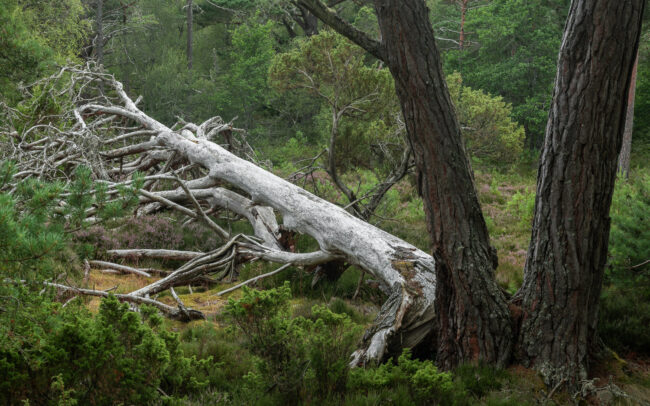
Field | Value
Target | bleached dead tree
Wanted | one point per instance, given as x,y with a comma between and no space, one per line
185,169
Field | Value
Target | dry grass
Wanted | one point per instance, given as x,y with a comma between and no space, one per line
123,283
507,233
200,299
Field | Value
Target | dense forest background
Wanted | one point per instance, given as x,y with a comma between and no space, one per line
321,112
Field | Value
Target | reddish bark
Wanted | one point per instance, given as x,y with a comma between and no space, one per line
472,315
568,249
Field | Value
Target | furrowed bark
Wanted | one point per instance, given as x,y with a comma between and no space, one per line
472,314
472,317
568,248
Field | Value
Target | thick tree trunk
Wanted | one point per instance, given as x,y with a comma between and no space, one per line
568,249
473,321
473,318
626,148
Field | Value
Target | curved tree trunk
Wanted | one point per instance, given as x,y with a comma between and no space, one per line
472,314
568,249
472,317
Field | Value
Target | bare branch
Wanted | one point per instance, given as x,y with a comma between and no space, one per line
167,310
121,268
329,17
255,279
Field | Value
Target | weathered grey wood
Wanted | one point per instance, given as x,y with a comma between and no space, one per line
255,279
118,267
262,218
406,270
154,253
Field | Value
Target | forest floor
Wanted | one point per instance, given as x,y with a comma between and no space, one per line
507,203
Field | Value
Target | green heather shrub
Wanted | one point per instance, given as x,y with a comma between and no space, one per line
263,318
480,379
427,385
522,206
118,356
298,355
205,340
331,340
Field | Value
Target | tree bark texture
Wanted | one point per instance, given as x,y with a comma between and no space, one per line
626,148
568,249
474,322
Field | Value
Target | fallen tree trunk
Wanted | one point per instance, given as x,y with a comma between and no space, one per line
407,316
405,272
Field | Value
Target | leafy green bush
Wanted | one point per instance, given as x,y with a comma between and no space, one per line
481,379
522,205
331,339
264,319
489,130
205,340
427,386
115,357
296,353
